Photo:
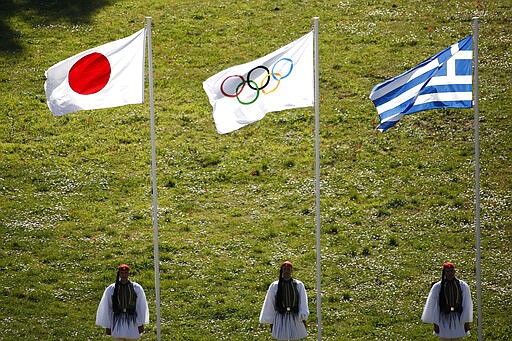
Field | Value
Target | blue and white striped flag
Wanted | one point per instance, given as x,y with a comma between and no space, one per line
443,81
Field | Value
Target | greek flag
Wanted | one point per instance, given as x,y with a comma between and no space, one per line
443,81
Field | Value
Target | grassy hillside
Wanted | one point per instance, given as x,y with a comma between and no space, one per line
75,191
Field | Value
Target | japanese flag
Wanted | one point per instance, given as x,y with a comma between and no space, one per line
110,75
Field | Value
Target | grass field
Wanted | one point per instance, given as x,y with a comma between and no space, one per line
75,191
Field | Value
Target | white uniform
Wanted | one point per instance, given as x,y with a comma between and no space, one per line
450,326
287,326
126,328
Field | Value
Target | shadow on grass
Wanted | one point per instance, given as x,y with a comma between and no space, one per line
42,12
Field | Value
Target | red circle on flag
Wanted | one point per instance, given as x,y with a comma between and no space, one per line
89,74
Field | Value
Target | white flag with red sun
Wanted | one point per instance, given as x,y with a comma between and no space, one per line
107,76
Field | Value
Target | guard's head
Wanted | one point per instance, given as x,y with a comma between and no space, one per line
448,270
286,270
123,272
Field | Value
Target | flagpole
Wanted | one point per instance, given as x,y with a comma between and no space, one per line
477,178
317,182
153,175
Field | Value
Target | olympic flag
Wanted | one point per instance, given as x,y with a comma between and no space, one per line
443,81
107,76
243,94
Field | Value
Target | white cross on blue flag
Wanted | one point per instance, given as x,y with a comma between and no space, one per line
443,81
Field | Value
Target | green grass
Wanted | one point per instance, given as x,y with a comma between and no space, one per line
75,191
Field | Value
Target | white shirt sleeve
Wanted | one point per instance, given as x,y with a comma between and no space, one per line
268,311
142,305
467,303
303,306
431,308
104,312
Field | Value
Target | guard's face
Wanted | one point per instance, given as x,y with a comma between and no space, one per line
449,273
287,271
124,274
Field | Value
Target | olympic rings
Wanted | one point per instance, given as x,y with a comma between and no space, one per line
265,81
